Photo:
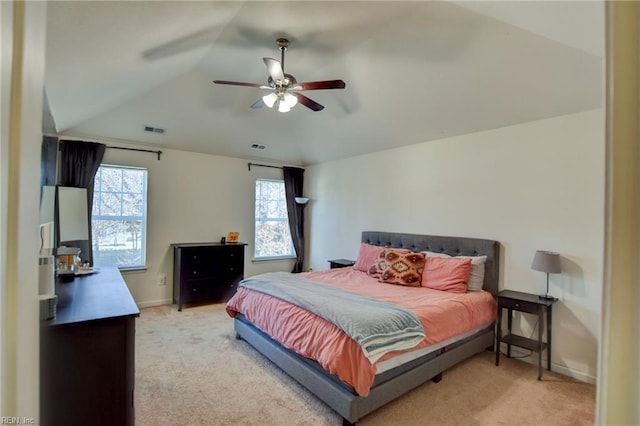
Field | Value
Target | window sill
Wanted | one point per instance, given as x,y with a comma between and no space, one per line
272,259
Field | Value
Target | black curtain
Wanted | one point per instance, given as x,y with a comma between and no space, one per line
49,159
293,182
79,162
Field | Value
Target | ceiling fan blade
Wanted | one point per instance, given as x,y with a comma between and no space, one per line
239,83
258,104
309,103
275,69
320,85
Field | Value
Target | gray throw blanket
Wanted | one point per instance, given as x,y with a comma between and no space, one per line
378,327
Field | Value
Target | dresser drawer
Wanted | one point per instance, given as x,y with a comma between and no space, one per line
210,262
196,290
207,289
519,305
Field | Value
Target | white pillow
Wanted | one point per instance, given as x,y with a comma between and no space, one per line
434,254
476,275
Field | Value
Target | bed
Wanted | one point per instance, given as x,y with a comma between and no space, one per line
403,370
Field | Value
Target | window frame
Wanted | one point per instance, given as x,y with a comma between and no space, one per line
256,258
143,219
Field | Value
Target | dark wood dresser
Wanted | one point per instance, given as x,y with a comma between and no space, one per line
206,272
87,353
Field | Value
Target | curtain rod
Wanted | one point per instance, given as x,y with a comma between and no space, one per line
159,153
262,165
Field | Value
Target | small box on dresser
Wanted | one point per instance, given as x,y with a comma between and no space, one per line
206,272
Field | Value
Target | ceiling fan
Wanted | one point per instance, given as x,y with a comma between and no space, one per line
285,89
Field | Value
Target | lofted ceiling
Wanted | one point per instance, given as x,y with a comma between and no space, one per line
414,71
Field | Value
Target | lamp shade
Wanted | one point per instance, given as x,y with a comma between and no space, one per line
546,261
301,200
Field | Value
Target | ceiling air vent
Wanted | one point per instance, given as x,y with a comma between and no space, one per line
154,130
258,146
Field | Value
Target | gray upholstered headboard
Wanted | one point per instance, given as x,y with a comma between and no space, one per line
453,246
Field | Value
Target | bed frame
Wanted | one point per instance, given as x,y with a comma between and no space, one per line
402,379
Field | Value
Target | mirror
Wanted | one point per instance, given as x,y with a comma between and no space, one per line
47,219
73,223
63,217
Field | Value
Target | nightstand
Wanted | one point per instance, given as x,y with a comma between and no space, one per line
341,263
531,304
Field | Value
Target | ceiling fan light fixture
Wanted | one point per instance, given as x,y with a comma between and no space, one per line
270,99
290,100
283,107
281,83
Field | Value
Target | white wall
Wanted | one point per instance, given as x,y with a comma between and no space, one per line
538,185
192,198
21,83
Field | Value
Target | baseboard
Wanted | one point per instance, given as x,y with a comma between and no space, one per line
578,375
154,303
556,368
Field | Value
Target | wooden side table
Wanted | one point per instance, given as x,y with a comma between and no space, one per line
528,303
341,263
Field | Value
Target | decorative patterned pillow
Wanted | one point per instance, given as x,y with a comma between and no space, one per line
446,274
367,257
380,264
403,268
476,275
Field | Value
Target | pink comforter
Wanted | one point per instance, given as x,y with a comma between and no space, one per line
443,315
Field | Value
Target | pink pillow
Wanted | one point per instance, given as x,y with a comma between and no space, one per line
446,274
380,264
403,268
367,257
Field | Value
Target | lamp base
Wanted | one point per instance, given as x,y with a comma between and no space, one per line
547,298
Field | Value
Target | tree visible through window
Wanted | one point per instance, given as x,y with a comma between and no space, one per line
272,235
119,217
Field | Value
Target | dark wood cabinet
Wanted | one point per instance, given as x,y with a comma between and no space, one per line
87,353
206,272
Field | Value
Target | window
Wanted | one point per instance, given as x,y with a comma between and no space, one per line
119,217
272,235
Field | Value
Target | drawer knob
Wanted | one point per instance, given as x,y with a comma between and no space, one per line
231,269
517,305
195,272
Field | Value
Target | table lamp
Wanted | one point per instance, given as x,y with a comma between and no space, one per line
549,262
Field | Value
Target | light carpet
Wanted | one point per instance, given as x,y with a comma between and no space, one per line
191,370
